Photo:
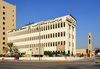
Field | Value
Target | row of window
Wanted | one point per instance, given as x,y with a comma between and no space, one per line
46,36
5,8
49,44
5,13
5,18
3,27
44,28
37,30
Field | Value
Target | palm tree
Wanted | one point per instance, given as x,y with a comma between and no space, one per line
10,45
6,50
11,48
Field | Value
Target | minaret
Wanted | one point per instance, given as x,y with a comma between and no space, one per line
89,44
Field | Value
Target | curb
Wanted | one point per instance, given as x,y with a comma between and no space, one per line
44,61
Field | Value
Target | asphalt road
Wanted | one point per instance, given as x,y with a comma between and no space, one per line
82,64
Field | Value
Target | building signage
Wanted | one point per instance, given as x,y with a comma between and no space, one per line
70,20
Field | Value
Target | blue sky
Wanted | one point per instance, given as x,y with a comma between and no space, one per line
86,12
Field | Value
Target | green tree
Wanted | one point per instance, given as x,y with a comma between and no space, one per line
5,50
97,51
11,49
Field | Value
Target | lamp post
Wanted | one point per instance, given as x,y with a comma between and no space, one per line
39,42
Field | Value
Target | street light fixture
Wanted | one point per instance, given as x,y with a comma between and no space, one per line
39,41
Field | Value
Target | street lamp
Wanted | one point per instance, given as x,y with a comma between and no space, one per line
39,41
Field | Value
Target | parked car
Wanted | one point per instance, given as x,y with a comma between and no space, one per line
97,59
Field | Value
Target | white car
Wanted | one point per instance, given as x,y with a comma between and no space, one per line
97,59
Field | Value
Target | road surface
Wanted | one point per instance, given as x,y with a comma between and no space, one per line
82,64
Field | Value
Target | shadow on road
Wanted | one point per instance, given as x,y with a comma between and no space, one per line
72,68
97,65
61,67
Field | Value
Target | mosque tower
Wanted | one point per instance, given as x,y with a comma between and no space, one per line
89,44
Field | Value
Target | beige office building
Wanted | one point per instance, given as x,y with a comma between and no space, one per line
56,35
7,22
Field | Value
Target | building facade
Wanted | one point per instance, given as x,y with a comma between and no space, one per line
83,52
7,22
56,35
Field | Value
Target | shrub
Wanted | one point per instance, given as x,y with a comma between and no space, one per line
48,53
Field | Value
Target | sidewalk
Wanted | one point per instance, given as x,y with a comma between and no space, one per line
44,59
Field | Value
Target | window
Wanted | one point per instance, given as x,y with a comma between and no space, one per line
64,24
64,43
61,43
3,13
44,36
69,27
53,35
58,42
72,28
53,43
3,23
46,27
64,33
58,25
12,10
89,41
69,44
3,28
61,34
58,34
3,47
3,43
13,20
3,7
61,24
3,18
69,35
48,35
72,36
12,15
53,26
46,44
36,48
73,44
3,38
3,33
